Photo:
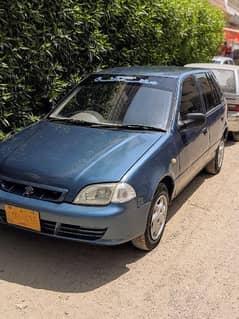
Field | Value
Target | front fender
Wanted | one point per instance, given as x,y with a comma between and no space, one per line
150,169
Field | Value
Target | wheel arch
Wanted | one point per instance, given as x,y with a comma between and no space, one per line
225,134
169,183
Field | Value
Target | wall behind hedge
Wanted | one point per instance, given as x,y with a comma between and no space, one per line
47,44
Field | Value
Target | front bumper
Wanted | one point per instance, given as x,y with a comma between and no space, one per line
107,225
233,121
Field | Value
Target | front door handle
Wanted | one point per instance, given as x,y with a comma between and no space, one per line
204,130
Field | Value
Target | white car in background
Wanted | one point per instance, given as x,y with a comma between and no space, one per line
228,78
222,60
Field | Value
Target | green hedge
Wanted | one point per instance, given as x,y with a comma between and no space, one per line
45,45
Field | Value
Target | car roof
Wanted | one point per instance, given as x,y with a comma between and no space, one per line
222,58
166,71
213,66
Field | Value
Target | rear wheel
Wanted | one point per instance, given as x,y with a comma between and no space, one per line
235,136
156,221
215,165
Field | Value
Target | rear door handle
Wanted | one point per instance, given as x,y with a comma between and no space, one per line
204,130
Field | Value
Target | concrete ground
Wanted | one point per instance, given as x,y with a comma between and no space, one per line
194,273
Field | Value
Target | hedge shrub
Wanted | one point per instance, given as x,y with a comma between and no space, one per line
45,45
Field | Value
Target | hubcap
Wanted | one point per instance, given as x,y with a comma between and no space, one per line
159,216
220,154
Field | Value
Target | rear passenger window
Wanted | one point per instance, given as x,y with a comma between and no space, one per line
190,100
210,95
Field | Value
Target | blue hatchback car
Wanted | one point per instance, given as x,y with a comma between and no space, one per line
104,165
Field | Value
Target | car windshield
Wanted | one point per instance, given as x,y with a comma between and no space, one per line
226,79
120,100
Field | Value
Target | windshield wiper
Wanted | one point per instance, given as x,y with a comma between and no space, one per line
71,121
130,126
108,125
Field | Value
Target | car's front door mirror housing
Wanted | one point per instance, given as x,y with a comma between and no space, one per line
192,120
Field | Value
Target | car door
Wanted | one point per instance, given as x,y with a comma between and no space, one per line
194,141
215,107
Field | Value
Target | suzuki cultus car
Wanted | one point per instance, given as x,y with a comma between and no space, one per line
104,165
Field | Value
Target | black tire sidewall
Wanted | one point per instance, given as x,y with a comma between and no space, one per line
235,136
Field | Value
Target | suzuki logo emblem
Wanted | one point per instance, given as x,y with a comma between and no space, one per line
29,190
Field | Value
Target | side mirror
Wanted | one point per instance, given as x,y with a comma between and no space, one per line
192,120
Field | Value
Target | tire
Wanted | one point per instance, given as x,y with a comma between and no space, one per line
235,136
156,220
215,165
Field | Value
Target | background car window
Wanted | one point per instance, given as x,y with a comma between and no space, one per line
209,92
217,92
226,79
190,100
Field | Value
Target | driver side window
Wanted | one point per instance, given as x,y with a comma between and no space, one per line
190,99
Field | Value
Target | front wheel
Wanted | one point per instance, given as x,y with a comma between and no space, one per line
215,165
156,221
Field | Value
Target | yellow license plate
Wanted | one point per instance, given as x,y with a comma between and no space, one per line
23,217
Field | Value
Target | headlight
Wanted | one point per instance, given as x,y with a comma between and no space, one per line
103,194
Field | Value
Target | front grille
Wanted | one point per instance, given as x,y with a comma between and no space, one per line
65,230
32,191
48,227
78,232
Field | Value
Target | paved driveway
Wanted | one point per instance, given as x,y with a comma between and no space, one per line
194,273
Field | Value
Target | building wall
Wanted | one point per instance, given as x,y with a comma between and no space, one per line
229,6
231,10
232,6
219,3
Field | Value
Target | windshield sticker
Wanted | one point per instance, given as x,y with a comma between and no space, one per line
127,79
